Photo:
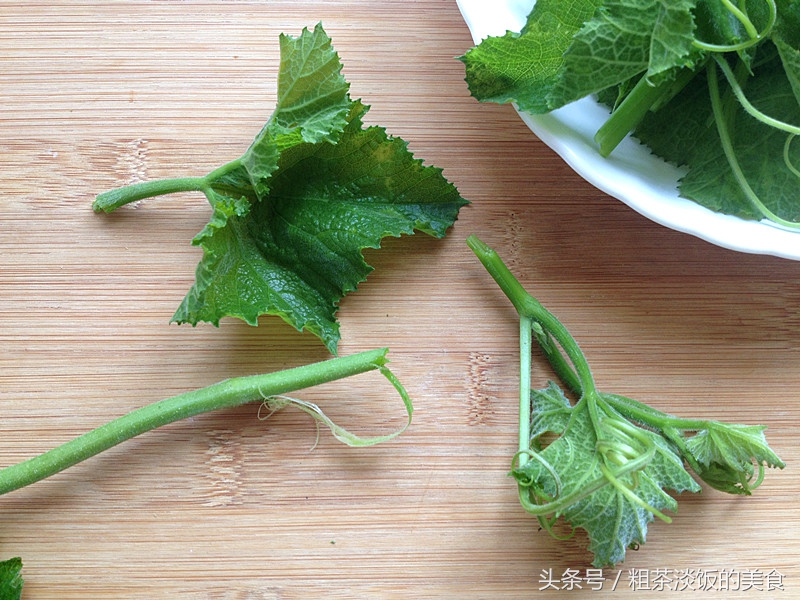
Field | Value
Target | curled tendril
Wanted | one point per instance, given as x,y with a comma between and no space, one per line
624,450
727,143
734,481
754,36
630,450
529,483
752,479
786,158
278,402
759,480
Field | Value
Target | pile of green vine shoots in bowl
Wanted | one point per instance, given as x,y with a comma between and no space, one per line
708,89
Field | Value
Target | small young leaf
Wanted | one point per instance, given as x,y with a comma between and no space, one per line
734,445
615,514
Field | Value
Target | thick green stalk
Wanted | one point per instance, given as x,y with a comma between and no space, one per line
634,107
226,394
641,413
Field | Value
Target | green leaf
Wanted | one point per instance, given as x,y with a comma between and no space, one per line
312,93
734,445
584,495
11,579
313,104
730,457
790,59
551,411
291,217
298,250
683,132
728,454
523,67
622,40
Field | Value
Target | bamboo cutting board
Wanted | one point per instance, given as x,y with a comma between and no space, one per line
94,95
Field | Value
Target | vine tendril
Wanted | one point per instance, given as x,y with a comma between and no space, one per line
754,36
727,143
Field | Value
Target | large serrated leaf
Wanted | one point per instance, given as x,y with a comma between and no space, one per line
622,40
298,250
292,216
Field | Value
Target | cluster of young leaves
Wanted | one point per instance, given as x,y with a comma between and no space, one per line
605,463
707,84
293,214
11,579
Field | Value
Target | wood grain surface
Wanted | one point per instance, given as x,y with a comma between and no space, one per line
97,94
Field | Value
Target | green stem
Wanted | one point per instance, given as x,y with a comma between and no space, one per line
742,17
634,107
642,413
226,394
736,87
525,329
113,199
722,121
528,306
560,365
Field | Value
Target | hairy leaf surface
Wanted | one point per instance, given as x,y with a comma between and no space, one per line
612,520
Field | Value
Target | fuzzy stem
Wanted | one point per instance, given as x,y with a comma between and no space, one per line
113,199
525,335
226,394
528,306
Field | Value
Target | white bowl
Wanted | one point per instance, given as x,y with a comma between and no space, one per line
631,174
